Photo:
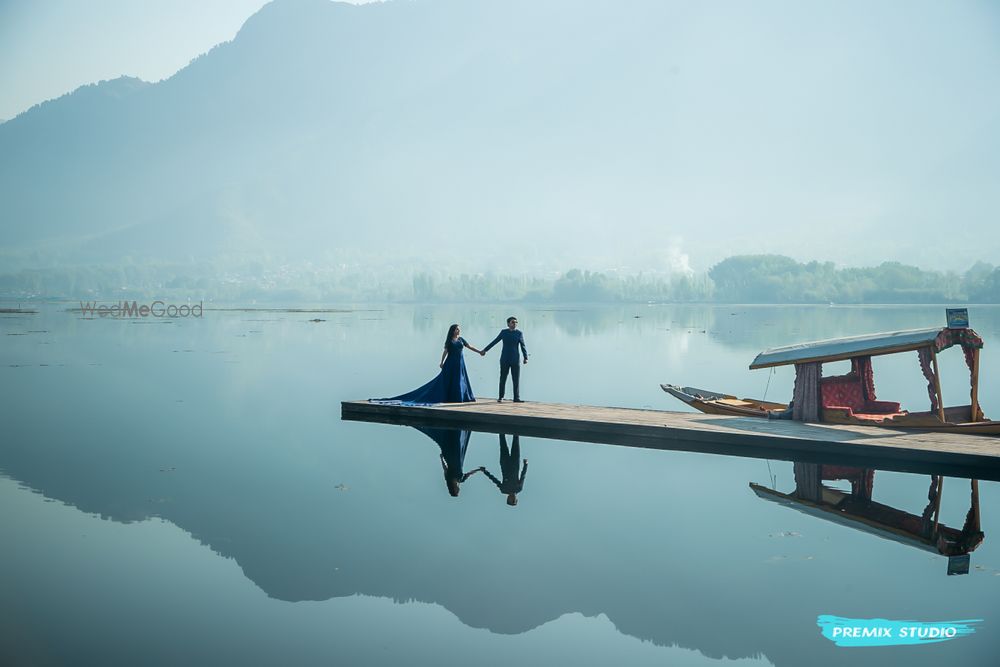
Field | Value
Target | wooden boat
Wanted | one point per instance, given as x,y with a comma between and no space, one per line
714,403
850,398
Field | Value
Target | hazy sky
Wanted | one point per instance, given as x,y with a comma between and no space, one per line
51,47
854,131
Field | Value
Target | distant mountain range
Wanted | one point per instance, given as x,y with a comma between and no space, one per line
516,133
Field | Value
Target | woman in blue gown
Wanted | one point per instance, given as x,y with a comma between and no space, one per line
452,384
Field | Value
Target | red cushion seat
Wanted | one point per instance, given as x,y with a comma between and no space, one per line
882,407
846,392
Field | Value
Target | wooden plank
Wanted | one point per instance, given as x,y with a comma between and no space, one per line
946,453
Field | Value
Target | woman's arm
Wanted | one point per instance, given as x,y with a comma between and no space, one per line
444,355
466,344
470,474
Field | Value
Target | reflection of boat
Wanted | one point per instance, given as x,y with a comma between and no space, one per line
850,398
856,509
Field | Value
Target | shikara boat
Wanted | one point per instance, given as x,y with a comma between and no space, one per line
850,398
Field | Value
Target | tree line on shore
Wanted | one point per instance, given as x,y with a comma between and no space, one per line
738,279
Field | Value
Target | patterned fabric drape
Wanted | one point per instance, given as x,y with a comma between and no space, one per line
807,481
862,487
969,526
862,479
806,397
970,360
862,367
970,356
925,366
963,337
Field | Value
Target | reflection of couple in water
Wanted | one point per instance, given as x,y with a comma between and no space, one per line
454,443
452,385
512,483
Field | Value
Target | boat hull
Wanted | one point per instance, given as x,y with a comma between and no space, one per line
714,403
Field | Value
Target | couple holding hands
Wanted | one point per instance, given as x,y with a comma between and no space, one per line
452,384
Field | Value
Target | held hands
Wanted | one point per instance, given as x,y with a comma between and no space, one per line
482,353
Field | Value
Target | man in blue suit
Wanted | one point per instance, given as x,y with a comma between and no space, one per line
510,361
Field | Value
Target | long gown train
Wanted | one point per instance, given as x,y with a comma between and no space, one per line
451,385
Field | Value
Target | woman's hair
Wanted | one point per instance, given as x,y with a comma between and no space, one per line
451,333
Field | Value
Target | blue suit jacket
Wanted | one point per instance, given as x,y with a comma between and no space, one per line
511,341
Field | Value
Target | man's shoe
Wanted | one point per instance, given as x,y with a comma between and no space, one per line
500,400
518,400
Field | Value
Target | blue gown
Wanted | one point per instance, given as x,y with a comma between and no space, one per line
453,444
450,386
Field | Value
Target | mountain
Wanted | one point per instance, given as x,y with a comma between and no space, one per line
526,132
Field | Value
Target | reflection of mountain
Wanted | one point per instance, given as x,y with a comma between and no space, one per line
596,552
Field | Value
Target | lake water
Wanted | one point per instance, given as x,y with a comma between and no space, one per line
184,492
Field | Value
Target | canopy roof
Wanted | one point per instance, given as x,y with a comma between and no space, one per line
890,342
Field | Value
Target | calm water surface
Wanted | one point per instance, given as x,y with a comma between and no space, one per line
184,492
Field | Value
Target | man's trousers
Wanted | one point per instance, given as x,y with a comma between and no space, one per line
515,374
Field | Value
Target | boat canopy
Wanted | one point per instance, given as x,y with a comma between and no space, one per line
837,349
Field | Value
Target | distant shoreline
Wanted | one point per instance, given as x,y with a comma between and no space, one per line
741,279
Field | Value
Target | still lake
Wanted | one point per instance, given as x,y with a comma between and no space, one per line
184,492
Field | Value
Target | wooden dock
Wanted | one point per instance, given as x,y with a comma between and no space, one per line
951,454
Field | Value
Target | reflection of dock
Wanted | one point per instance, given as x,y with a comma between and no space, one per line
939,453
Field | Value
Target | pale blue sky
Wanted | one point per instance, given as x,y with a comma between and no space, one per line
51,47
855,131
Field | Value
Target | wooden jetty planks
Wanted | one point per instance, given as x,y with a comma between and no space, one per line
948,453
